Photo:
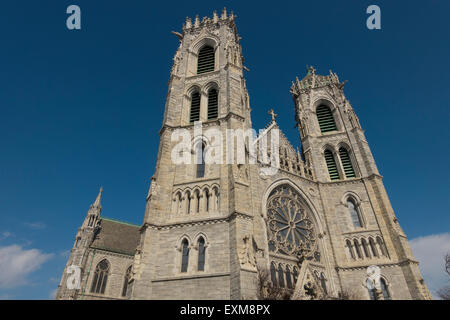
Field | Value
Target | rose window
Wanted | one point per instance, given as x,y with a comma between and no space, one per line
290,229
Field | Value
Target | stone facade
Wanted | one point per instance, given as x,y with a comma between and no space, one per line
230,208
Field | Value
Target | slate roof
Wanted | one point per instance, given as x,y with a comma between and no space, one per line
117,236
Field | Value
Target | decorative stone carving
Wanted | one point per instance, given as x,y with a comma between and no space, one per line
247,254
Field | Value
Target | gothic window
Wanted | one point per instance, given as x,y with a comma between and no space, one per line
207,195
100,277
295,275
323,283
197,200
371,289
381,246
200,159
205,61
350,249
346,163
288,278
273,274
354,214
195,107
290,228
384,289
373,247
201,254
280,276
365,248
357,249
188,197
331,165
212,104
184,255
126,281
326,119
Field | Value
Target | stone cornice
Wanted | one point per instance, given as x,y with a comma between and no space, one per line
211,220
381,265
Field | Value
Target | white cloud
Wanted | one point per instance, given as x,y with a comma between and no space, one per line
5,234
17,263
36,225
430,251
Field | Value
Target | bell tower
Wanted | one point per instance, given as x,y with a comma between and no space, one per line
197,212
334,143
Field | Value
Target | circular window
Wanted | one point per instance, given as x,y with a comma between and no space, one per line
290,229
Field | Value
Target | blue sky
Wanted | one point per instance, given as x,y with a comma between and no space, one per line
82,109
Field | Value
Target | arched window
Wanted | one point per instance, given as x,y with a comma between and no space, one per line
201,254
384,289
323,283
126,281
365,248
280,276
185,255
295,275
331,165
371,289
357,249
326,119
213,104
189,200
205,61
288,278
373,247
381,246
207,195
100,277
200,159
354,214
195,107
349,246
346,163
197,201
273,274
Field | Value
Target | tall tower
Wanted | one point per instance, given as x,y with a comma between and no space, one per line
196,214
80,250
362,224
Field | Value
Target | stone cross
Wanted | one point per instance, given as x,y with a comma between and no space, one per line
273,114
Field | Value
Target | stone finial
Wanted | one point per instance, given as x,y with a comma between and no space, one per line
196,22
188,23
215,17
224,14
311,70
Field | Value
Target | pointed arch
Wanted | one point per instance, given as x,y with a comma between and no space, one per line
280,276
100,277
325,118
213,103
184,255
206,59
273,274
127,279
331,165
346,163
201,254
354,213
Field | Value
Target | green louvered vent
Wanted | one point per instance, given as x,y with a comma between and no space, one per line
326,119
212,104
195,107
346,163
331,164
205,60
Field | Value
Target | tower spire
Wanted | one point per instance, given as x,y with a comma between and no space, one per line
97,203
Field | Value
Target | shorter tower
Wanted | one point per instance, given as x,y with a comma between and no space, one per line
83,240
99,265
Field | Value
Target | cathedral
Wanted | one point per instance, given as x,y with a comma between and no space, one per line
317,225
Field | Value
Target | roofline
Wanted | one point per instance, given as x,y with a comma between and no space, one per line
121,222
